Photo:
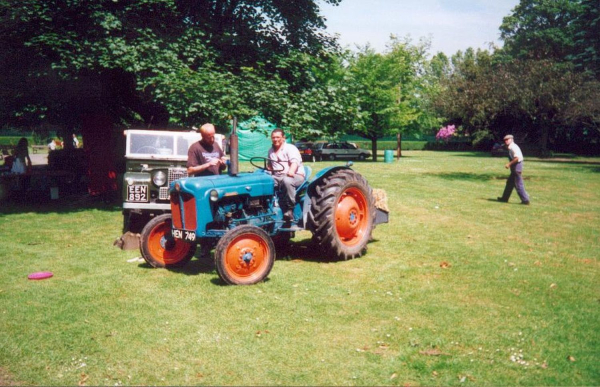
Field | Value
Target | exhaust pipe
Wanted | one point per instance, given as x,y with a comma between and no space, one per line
233,150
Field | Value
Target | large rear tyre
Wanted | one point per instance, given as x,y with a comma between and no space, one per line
342,214
244,255
160,249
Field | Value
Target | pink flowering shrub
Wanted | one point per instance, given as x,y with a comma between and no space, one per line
445,133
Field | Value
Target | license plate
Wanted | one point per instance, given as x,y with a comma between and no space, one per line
188,236
137,193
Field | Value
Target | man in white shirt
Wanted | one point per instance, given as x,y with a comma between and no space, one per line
287,170
515,180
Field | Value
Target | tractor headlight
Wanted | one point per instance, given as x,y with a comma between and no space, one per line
214,195
159,178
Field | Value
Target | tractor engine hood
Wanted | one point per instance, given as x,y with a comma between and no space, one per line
195,200
254,184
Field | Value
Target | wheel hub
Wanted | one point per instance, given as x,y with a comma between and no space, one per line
166,243
350,217
247,257
353,217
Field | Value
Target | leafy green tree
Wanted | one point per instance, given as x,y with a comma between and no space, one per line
560,30
92,65
387,87
533,99
130,58
587,38
541,29
464,95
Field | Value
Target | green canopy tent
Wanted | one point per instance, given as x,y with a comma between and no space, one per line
254,138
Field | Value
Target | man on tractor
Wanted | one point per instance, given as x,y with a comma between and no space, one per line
292,175
205,157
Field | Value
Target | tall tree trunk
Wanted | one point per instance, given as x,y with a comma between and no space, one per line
66,136
398,145
99,145
374,147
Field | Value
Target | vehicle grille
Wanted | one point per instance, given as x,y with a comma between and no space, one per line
186,218
174,174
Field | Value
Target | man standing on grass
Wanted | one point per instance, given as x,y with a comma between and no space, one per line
205,157
515,180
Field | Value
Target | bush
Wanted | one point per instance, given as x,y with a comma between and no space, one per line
391,145
483,140
449,146
13,140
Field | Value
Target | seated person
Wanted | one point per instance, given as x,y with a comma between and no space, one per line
291,177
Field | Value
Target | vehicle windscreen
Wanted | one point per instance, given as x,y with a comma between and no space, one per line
159,144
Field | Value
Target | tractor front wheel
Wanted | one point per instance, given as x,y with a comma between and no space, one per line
159,248
244,255
342,214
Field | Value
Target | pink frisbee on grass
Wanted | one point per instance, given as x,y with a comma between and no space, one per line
40,275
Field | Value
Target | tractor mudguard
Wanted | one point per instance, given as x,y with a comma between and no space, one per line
322,173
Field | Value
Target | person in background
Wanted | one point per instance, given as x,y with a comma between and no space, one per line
291,177
52,145
515,180
75,141
205,157
22,162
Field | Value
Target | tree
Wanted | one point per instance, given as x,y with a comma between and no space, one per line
560,30
93,65
541,29
327,107
587,38
387,89
535,99
146,51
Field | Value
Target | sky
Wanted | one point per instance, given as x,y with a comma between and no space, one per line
451,25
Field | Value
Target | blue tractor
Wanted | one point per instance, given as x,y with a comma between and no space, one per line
239,215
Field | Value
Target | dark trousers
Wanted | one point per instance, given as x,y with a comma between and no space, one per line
515,180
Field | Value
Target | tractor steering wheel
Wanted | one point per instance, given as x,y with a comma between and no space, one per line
276,166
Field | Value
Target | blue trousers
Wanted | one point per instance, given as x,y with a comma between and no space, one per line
515,181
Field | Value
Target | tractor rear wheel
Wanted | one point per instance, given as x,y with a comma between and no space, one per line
159,248
244,255
342,214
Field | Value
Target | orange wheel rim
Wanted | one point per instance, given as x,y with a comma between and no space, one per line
165,249
351,216
246,257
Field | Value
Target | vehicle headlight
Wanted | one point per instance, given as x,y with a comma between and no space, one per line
159,178
214,195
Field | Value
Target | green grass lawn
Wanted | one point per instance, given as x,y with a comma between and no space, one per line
457,289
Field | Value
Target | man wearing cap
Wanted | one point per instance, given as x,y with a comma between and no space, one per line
205,157
515,180
285,156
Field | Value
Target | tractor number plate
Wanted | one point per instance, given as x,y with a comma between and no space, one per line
137,193
188,236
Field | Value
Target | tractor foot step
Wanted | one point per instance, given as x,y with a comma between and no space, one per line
291,228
